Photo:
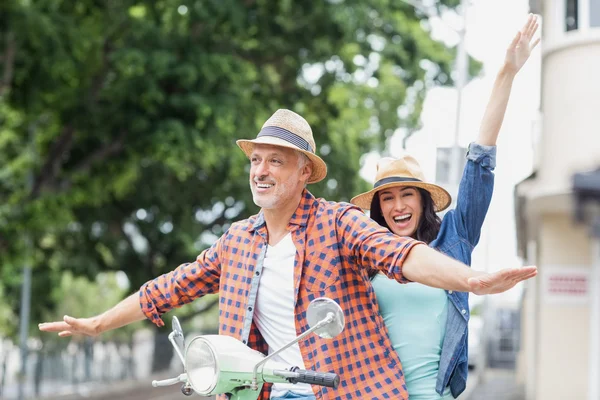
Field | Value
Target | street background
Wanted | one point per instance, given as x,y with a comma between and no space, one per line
118,162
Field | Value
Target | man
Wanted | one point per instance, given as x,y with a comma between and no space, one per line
299,248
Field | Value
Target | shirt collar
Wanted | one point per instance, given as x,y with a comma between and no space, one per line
300,216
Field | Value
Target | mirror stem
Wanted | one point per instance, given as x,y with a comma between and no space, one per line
327,320
177,349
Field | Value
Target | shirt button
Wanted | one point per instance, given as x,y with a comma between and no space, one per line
449,291
250,309
464,312
257,273
244,341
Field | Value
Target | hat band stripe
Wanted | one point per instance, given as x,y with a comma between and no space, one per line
286,135
394,179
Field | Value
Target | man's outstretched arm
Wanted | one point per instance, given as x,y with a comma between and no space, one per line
182,285
126,312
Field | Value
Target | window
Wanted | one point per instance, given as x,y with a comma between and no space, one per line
571,15
595,13
580,15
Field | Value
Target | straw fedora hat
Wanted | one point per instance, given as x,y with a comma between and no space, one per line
287,129
405,171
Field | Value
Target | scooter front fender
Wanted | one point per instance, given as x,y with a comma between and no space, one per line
246,394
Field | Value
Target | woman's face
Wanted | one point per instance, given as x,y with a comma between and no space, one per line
402,208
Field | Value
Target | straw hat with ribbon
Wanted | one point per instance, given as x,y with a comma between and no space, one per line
405,171
287,129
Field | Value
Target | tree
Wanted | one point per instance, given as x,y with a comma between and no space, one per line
125,114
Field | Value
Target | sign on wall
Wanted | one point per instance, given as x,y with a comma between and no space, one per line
565,285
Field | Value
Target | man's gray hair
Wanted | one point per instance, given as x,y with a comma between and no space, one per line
302,159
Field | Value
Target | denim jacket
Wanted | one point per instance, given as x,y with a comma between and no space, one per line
459,233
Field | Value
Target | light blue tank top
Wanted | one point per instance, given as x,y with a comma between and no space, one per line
415,316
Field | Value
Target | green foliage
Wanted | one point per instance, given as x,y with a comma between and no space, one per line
118,121
7,318
77,295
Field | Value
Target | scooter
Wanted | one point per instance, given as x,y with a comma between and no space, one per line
220,364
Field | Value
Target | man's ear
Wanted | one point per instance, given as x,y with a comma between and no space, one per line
307,171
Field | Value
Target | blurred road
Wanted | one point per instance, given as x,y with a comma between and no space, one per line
143,393
491,384
133,390
497,384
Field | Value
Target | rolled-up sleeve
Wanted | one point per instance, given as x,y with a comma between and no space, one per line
482,154
182,285
371,245
475,192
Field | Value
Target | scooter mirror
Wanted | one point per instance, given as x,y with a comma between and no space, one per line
178,334
318,310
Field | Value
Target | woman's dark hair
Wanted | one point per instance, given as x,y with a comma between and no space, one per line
429,225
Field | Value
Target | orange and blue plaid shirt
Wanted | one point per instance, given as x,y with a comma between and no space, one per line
337,246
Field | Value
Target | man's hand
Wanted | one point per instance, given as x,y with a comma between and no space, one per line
70,326
124,313
519,50
500,281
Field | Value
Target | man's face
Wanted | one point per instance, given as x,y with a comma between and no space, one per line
277,175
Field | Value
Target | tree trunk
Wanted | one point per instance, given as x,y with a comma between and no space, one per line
74,367
131,360
163,352
39,370
105,362
3,376
88,349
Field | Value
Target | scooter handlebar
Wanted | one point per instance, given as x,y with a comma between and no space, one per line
327,379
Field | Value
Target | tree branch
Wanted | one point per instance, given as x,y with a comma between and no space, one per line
9,63
100,78
51,167
85,165
101,154
3,243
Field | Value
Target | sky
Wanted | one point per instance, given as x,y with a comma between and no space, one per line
491,25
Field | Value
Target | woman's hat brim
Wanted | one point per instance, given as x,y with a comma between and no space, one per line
319,170
441,198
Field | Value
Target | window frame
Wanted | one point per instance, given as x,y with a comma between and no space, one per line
583,17
559,38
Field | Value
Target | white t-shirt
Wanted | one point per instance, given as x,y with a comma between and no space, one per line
274,313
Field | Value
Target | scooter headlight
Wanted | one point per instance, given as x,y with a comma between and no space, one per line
201,365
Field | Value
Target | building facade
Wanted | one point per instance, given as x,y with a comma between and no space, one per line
559,356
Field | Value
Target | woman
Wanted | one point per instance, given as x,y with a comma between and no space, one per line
429,328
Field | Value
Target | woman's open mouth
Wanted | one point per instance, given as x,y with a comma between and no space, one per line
402,221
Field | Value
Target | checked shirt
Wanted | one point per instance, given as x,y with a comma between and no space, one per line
337,245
